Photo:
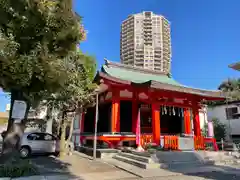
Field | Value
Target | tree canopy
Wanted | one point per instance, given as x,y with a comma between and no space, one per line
78,89
232,88
39,57
35,37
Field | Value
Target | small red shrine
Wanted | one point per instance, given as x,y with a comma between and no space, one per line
168,110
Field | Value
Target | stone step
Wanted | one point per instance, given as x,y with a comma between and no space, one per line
143,154
137,163
137,157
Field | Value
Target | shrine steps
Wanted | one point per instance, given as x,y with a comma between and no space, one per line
164,160
139,161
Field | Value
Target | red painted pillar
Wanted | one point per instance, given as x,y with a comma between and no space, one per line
196,121
187,121
156,123
81,122
134,110
115,121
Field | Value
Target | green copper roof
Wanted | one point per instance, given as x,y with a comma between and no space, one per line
137,76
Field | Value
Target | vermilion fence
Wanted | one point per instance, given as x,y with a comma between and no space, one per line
171,142
146,139
211,142
199,143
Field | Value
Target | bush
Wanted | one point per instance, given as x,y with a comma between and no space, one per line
17,167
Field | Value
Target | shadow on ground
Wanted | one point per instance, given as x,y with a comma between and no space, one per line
208,171
48,165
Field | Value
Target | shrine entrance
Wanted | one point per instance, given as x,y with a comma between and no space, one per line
171,120
145,118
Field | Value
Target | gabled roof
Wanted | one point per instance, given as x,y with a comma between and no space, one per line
136,75
126,74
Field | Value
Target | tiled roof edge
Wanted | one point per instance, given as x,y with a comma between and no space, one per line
128,67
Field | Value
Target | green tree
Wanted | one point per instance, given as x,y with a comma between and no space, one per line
219,129
232,88
77,92
35,39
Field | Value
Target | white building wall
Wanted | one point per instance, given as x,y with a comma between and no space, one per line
219,112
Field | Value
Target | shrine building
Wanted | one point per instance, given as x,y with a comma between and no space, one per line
167,109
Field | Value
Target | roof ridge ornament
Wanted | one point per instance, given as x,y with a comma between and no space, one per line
107,62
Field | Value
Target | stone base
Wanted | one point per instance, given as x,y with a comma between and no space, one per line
100,153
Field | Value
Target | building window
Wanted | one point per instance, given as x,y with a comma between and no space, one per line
230,112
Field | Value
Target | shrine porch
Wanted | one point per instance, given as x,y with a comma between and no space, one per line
167,142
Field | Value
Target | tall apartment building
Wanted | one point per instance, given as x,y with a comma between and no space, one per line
146,42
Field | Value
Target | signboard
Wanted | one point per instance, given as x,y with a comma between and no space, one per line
19,109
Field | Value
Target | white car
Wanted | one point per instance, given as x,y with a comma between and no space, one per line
39,143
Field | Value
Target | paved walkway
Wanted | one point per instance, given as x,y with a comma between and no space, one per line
79,167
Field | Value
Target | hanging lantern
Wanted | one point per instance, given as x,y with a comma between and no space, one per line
174,113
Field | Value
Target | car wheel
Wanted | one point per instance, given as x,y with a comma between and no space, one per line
25,152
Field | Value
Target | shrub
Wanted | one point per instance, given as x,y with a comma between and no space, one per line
17,167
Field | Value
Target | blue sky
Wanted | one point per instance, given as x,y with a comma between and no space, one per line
4,100
205,35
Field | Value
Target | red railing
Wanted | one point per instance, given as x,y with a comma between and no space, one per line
211,143
146,139
199,143
171,142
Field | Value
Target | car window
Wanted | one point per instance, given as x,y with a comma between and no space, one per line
35,136
49,137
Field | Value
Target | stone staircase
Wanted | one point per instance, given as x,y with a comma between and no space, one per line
139,160
163,159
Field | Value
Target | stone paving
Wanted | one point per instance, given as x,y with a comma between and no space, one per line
199,176
78,167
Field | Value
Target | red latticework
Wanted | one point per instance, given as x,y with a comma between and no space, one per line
199,143
171,142
146,139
